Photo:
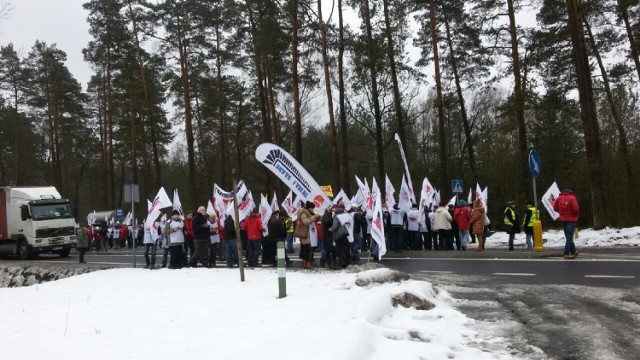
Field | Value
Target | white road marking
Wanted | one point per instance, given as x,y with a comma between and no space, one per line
436,272
514,274
610,276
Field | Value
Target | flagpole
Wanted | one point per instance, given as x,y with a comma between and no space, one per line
239,239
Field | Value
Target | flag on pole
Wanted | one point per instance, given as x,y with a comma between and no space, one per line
389,193
470,198
549,198
210,209
375,191
452,202
177,205
358,198
406,170
265,213
426,195
161,201
479,195
404,197
377,227
275,206
328,190
342,196
346,219
294,175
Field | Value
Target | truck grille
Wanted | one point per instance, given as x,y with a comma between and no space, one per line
45,233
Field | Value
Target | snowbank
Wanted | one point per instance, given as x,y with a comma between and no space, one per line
608,237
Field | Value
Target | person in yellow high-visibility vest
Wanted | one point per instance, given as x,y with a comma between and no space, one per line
511,222
529,218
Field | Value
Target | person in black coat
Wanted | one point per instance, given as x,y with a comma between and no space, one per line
327,254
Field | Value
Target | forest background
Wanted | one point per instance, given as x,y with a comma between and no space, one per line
224,76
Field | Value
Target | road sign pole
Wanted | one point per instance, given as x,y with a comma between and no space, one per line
132,238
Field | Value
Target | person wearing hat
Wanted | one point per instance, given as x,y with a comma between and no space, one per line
511,221
305,218
461,216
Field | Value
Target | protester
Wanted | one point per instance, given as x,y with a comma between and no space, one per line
279,231
443,224
425,229
253,225
340,236
412,226
567,206
511,222
358,220
189,246
269,245
82,243
214,236
434,232
104,233
455,231
477,223
327,251
397,216
461,216
231,243
175,229
288,223
201,238
150,246
530,217
305,218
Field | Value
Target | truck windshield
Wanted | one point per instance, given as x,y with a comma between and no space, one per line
51,211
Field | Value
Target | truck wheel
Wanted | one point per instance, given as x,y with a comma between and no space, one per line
23,250
64,253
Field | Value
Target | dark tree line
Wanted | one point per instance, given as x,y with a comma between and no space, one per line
184,90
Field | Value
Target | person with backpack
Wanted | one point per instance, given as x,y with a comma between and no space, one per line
340,236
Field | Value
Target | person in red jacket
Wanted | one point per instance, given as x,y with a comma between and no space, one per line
462,215
567,206
253,225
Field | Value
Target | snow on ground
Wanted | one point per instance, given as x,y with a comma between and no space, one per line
608,237
209,313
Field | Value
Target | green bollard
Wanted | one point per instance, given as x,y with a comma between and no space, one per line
282,271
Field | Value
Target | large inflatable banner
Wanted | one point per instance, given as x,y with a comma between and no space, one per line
292,174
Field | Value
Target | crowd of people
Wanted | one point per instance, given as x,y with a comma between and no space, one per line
201,239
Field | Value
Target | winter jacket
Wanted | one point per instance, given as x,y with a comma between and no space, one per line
82,241
327,223
305,219
567,206
253,226
277,228
462,215
200,227
229,229
477,220
188,229
175,230
511,220
443,219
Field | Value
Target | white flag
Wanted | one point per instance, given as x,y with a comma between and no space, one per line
426,196
470,198
177,205
313,234
404,197
453,200
210,210
389,192
549,198
346,219
479,195
265,213
161,201
275,206
377,227
375,191
485,199
358,198
406,170
342,196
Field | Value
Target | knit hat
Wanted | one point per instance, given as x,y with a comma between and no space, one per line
309,205
175,212
462,203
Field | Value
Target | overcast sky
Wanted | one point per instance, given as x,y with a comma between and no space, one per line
61,22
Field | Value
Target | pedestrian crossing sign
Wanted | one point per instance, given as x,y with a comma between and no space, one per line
456,187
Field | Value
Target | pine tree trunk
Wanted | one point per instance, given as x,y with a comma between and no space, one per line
17,139
346,174
615,115
102,120
188,121
635,53
109,107
260,83
134,161
337,180
523,154
147,100
296,90
588,115
275,124
463,110
394,76
221,124
375,96
441,128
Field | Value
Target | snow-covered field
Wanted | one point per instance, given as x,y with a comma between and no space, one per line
209,313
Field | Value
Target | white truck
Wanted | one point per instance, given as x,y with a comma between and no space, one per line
35,220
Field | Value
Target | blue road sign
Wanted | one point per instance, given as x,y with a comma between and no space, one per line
456,187
534,163
119,213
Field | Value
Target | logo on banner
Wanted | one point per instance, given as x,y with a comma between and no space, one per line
281,163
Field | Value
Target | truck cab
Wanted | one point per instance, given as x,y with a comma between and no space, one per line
35,220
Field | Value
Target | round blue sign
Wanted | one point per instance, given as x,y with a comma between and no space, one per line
534,163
